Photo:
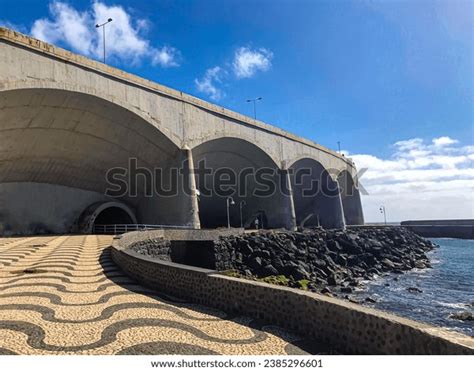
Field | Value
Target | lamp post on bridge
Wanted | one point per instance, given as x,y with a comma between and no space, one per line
254,106
103,32
230,201
382,210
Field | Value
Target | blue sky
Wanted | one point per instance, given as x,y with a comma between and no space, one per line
392,80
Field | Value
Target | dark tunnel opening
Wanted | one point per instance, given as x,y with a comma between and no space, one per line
113,215
242,180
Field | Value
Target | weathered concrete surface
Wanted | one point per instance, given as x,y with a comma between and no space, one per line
66,120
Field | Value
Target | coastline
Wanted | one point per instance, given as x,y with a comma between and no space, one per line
316,262
445,290
349,328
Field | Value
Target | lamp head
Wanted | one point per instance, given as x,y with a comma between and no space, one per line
109,20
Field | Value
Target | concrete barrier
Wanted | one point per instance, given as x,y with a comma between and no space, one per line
459,228
350,328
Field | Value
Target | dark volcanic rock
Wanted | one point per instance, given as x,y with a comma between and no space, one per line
269,270
330,261
255,263
463,316
370,300
327,258
158,248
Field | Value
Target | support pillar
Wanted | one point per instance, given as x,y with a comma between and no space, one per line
341,222
291,201
359,219
191,183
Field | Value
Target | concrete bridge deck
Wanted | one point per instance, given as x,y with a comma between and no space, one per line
76,301
68,122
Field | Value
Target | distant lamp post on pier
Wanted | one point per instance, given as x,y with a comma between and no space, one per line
241,205
382,211
103,32
254,105
230,201
339,146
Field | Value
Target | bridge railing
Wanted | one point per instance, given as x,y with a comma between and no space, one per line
124,228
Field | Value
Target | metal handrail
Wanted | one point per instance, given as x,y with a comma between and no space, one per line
124,228
410,225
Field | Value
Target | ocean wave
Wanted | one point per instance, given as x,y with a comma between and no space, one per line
452,305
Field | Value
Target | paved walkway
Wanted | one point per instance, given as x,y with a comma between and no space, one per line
64,295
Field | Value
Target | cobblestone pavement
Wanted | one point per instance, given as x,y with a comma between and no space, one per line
64,295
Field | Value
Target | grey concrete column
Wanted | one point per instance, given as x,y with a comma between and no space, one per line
339,212
195,222
291,201
358,217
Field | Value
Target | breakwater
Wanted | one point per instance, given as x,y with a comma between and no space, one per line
327,261
451,228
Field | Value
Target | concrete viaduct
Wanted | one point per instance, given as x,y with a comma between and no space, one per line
66,120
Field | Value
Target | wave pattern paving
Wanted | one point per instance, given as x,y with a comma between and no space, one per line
64,295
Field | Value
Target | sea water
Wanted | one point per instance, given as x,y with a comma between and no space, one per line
447,287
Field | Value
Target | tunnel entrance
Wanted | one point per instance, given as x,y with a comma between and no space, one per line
238,181
105,213
316,195
113,215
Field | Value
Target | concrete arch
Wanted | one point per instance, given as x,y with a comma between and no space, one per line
243,171
316,195
328,160
84,87
274,155
351,201
93,212
68,141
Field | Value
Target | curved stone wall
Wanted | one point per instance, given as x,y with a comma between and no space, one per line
348,327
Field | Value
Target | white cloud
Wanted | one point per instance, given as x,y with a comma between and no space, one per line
208,83
68,25
124,37
165,57
444,141
419,180
247,62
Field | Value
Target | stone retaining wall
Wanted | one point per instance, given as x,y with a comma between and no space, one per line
348,327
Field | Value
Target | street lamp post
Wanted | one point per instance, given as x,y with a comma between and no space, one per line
382,210
254,106
339,146
103,32
230,201
241,204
